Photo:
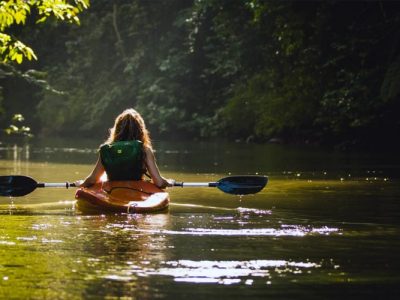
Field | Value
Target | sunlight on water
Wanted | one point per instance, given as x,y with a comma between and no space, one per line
220,272
254,210
286,230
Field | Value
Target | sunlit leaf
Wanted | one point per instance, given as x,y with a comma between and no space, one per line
18,118
41,20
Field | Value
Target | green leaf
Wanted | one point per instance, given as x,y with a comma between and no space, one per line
41,20
19,58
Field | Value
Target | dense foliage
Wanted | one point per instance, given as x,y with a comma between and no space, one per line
304,71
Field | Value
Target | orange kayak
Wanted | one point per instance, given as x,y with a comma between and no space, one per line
122,196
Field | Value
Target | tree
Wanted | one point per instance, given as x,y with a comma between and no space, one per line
316,71
16,12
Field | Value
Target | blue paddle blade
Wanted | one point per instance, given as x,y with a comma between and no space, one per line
242,185
16,185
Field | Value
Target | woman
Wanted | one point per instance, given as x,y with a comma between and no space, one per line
127,154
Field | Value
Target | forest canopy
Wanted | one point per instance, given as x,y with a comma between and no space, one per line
325,72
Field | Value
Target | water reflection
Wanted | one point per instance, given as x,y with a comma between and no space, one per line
220,272
285,230
19,157
117,248
228,272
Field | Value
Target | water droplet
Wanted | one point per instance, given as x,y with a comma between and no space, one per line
11,206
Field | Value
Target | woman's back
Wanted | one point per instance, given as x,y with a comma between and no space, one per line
123,160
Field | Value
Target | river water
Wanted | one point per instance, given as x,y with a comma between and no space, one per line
326,226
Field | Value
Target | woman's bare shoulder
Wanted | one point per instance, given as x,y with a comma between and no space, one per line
147,150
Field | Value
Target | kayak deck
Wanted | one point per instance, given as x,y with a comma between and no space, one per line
122,196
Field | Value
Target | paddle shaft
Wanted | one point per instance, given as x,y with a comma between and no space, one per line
180,184
196,184
55,184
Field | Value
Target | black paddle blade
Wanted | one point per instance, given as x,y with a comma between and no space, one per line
242,185
16,186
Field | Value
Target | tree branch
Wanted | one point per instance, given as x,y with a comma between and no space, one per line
120,43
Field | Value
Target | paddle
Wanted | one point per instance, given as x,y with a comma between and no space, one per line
18,185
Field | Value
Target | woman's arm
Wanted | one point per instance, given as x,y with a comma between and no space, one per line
94,176
152,167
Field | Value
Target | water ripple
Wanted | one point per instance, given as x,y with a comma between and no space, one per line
219,272
285,230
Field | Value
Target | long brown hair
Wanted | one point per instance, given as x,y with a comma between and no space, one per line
129,125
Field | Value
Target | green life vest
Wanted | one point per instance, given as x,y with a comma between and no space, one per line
123,160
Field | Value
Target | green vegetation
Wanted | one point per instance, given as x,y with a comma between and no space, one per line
16,127
323,72
17,11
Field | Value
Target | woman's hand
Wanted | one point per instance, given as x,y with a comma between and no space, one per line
78,183
169,182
